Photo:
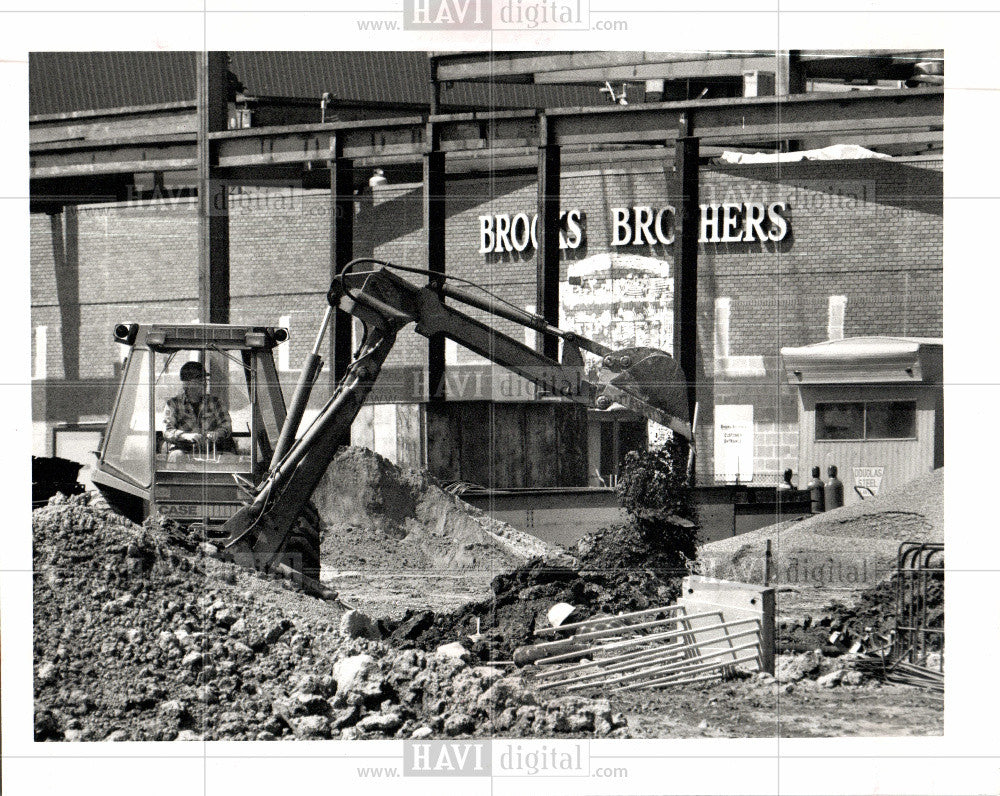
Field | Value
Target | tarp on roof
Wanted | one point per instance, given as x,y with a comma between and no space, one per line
834,152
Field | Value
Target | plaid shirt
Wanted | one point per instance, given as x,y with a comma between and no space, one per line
180,417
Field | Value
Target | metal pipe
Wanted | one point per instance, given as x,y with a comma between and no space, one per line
591,623
307,379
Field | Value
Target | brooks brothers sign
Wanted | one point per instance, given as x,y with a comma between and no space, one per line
640,225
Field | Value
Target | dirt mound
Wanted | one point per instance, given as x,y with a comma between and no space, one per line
137,637
388,529
837,554
619,570
636,546
873,615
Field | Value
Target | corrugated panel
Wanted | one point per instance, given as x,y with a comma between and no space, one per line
63,82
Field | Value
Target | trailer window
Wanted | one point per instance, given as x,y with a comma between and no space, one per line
891,420
866,420
840,421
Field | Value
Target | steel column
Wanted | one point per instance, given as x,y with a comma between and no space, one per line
547,292
341,253
686,259
213,198
434,228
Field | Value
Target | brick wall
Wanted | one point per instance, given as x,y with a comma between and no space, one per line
870,231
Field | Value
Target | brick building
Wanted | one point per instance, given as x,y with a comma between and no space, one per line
790,253
861,255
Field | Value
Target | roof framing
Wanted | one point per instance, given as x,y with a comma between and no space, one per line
882,115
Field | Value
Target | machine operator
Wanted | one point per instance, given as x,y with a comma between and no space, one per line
196,421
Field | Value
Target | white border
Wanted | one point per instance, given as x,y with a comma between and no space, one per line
963,761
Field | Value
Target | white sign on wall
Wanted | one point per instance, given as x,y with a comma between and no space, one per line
734,442
869,478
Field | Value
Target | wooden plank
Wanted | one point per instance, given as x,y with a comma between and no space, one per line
475,429
409,435
508,445
571,429
541,467
443,441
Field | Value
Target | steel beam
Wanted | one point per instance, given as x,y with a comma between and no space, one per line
731,121
505,66
547,285
790,75
585,67
733,66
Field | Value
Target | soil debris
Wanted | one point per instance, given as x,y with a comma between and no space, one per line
141,636
620,570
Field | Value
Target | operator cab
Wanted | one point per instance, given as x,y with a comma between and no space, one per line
145,466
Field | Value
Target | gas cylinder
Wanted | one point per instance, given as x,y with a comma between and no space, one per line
815,488
833,490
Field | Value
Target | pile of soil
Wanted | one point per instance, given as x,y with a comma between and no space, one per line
390,531
874,614
836,555
139,637
620,570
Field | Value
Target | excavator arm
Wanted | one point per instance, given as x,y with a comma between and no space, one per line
644,380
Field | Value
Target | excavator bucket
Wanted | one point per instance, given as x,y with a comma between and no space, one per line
652,377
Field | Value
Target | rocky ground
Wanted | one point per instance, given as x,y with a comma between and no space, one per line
142,633
139,638
493,627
